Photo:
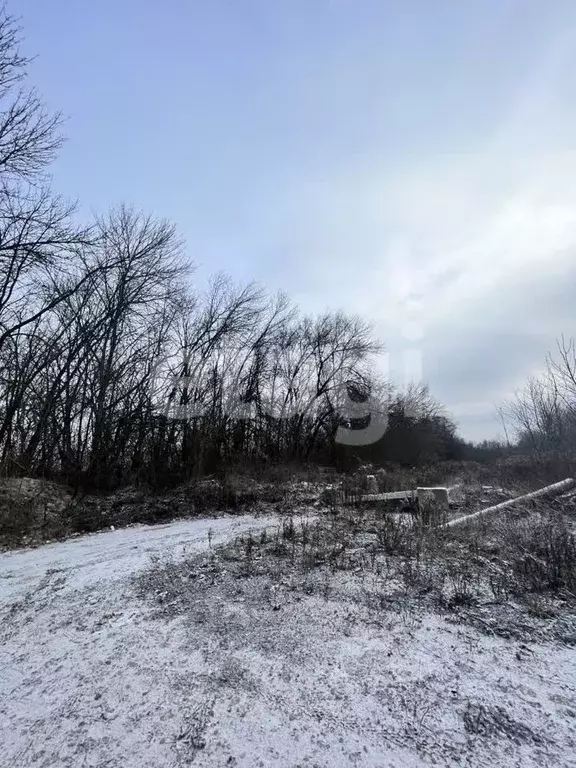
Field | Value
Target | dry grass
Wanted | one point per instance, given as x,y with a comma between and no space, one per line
515,576
33,511
272,598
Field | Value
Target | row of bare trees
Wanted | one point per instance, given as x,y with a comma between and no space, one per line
131,374
543,413
113,368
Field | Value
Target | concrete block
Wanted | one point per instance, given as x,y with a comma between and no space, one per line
432,501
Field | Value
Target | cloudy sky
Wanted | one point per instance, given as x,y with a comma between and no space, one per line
411,160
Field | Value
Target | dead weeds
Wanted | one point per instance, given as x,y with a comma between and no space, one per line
514,577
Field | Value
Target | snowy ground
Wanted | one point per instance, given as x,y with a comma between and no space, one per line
95,673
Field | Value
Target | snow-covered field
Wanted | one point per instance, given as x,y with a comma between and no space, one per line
94,673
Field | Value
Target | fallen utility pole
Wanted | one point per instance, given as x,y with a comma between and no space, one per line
390,496
549,490
438,494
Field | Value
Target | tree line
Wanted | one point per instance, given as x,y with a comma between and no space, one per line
114,368
542,415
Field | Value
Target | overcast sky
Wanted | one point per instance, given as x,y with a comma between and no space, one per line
411,160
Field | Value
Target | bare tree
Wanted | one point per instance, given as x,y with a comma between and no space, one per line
543,413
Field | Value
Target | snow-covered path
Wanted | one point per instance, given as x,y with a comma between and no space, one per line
77,652
91,675
92,559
